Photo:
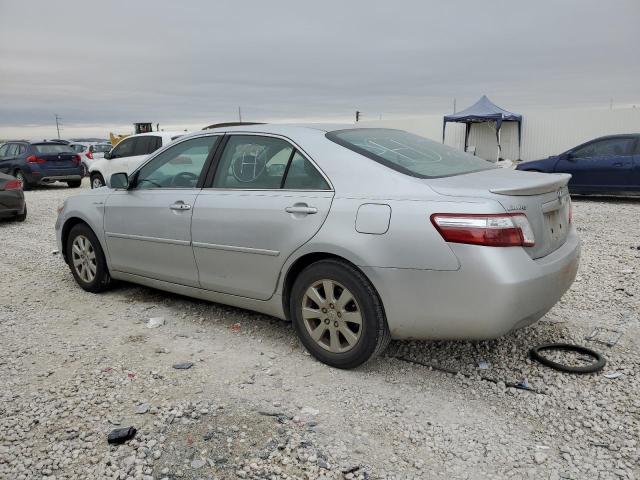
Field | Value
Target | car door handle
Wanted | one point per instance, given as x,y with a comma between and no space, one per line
180,206
301,209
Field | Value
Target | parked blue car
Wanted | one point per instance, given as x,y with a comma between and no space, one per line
37,163
606,166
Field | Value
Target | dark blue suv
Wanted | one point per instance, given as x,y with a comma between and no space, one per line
37,163
606,165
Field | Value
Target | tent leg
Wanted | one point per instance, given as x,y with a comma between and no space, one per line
467,128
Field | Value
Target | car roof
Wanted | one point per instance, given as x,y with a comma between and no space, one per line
279,127
160,133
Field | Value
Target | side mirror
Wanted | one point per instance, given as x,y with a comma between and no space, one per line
107,155
119,181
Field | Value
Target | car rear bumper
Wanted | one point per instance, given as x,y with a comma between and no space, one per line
11,203
496,290
46,178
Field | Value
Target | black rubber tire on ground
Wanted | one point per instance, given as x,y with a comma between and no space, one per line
84,171
97,176
20,176
102,280
74,183
567,347
22,216
375,336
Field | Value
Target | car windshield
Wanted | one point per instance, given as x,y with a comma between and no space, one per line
101,148
46,148
408,153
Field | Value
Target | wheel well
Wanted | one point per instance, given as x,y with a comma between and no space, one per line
298,266
66,228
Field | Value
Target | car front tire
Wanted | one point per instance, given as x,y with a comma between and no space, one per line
338,315
86,259
97,180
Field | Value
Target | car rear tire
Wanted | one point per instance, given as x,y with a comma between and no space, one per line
97,180
22,216
74,183
86,259
338,315
20,176
84,171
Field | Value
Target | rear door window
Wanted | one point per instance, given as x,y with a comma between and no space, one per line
142,145
303,175
155,143
253,162
3,150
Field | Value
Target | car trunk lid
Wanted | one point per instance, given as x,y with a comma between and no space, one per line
543,198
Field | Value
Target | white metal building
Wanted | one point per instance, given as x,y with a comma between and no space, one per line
544,132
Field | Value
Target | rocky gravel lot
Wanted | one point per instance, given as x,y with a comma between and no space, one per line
74,366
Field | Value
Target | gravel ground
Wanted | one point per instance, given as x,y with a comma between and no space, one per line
254,404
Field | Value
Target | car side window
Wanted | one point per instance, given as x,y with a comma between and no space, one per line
614,146
3,150
124,148
155,143
12,151
142,145
253,162
303,175
607,147
585,151
21,149
179,166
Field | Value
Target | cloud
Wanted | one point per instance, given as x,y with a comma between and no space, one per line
101,64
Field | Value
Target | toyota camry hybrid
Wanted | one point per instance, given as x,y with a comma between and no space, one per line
356,235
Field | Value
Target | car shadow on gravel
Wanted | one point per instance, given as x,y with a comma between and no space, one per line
503,359
606,198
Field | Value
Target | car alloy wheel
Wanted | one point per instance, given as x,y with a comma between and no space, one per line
96,182
84,258
332,316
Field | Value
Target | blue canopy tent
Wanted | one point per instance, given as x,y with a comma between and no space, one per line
484,110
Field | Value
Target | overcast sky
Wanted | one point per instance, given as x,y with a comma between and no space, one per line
104,65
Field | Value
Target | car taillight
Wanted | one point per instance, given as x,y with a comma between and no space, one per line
77,159
34,159
89,155
492,230
13,185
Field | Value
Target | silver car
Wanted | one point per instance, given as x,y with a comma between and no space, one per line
356,235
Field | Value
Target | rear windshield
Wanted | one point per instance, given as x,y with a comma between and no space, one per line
46,148
101,148
408,153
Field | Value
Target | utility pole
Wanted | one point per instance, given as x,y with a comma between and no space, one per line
454,105
58,124
358,113
239,115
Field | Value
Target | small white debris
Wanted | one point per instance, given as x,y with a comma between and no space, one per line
155,322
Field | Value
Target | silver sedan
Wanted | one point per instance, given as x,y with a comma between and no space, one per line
356,235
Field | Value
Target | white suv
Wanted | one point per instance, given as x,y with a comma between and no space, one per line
127,155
